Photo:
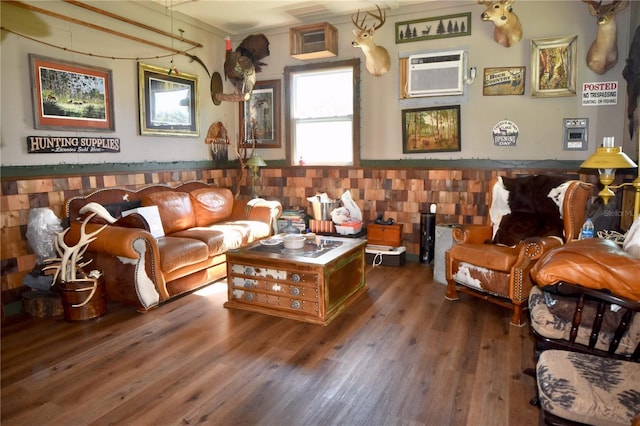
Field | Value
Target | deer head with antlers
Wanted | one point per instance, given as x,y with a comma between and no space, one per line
603,53
508,29
377,57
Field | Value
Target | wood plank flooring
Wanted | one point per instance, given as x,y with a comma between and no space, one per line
401,355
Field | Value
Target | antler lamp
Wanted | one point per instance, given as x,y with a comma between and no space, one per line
254,163
607,159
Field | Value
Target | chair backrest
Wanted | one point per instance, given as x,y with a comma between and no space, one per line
572,301
536,196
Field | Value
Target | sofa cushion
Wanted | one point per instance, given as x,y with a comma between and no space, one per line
588,389
176,253
176,210
211,205
212,238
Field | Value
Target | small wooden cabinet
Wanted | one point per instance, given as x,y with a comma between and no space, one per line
384,235
313,41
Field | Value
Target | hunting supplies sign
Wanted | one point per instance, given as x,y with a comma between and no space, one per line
67,144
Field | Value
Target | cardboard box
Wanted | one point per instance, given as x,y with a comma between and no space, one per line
385,255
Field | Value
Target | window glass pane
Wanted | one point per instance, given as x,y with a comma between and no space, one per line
323,94
324,142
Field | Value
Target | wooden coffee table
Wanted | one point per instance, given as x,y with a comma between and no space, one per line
313,284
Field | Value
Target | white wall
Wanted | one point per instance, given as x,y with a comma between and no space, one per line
539,119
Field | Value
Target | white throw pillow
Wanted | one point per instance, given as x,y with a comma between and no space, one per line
631,242
152,215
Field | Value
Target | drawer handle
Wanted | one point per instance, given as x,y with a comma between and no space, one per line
249,296
249,270
295,278
295,291
295,304
248,284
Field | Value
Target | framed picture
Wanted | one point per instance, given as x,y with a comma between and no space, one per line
503,81
260,116
168,102
434,129
430,28
553,67
69,96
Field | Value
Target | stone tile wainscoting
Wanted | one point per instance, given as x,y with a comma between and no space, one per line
399,193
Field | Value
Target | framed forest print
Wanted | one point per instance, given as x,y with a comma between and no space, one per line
553,67
260,116
70,96
434,129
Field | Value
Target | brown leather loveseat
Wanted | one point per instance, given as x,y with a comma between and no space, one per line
200,224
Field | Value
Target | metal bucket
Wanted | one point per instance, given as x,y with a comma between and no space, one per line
322,210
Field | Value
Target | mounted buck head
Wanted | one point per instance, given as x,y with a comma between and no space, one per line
377,57
508,30
603,53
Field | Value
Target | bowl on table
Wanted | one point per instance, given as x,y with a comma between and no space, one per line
294,241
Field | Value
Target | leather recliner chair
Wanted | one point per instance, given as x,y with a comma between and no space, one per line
528,216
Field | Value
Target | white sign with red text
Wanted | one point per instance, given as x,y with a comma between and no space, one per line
600,93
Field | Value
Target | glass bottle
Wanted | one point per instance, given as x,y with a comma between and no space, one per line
290,228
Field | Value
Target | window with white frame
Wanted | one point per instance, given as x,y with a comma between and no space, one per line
323,113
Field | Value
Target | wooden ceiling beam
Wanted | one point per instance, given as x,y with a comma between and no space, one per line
89,25
131,22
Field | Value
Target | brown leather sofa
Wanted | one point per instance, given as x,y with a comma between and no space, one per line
200,222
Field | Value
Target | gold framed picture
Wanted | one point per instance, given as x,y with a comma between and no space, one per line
553,67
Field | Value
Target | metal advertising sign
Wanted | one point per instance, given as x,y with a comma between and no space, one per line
505,133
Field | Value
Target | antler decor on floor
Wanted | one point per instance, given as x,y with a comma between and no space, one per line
70,262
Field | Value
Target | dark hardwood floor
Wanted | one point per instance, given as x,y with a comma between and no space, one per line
401,355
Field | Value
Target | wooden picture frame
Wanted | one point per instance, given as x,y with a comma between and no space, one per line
260,116
553,67
502,81
70,96
433,129
445,26
168,102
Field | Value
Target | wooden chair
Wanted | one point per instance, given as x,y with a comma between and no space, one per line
528,216
587,300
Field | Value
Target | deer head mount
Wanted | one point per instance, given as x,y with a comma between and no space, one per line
603,53
377,58
508,29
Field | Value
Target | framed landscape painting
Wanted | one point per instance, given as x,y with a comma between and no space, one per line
69,96
434,129
168,102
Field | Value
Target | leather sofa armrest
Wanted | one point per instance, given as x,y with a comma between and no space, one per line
471,234
118,241
259,210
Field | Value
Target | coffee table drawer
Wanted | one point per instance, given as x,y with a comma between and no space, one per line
274,273
281,301
275,288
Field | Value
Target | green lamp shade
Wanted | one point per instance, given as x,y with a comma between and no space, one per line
256,161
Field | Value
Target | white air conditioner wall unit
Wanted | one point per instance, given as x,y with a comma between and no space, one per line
436,74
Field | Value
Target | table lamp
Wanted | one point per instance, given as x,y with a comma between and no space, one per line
254,163
607,159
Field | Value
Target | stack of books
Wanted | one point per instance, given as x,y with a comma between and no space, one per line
297,218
